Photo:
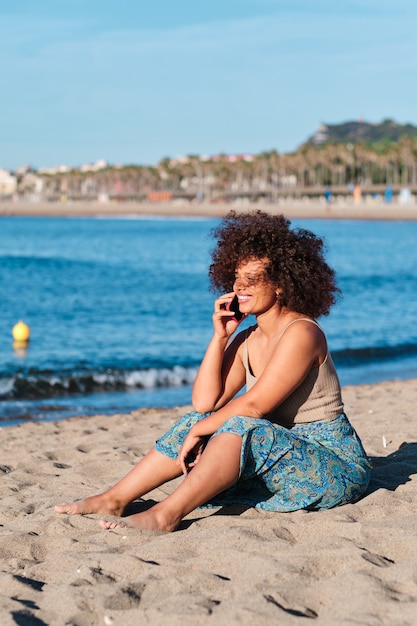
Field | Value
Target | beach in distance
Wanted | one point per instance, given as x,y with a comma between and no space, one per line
291,209
355,564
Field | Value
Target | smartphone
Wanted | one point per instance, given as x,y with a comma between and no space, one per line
233,305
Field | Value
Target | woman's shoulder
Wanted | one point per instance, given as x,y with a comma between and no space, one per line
308,333
309,324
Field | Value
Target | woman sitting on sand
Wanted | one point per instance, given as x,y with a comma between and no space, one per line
285,443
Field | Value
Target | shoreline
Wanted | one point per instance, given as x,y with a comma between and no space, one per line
291,209
64,413
234,565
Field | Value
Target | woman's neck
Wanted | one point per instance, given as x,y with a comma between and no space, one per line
274,320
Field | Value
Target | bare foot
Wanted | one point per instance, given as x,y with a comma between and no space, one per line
148,520
94,504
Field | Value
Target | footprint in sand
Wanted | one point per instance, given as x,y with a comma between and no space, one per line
127,597
376,559
284,534
305,612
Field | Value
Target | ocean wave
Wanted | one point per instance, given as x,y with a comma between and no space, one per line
37,384
47,385
366,355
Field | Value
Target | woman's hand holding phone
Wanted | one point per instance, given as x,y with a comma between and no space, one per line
227,315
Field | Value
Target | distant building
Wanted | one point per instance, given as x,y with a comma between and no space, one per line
59,169
321,135
22,170
8,183
228,158
233,158
94,167
30,187
180,160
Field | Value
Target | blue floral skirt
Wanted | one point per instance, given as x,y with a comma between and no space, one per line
316,466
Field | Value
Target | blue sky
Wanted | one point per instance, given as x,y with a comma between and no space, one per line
134,81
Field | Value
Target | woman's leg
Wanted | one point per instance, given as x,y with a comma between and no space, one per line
151,472
217,470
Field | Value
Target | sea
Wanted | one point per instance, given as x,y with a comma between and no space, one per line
119,309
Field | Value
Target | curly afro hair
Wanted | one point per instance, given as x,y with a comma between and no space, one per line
296,260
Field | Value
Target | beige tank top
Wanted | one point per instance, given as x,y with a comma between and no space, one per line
318,398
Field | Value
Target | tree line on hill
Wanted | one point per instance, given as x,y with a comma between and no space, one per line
353,153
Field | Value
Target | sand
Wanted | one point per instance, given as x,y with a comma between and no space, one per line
290,208
355,564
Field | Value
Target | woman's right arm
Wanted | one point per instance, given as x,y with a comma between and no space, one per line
221,373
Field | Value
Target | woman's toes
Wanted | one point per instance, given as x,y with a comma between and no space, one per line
111,525
64,507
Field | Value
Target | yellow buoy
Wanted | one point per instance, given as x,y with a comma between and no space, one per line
21,332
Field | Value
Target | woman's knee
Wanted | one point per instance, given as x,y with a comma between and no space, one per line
226,444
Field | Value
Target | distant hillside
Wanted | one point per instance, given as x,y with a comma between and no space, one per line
353,132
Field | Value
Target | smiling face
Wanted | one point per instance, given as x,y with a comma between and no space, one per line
253,287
